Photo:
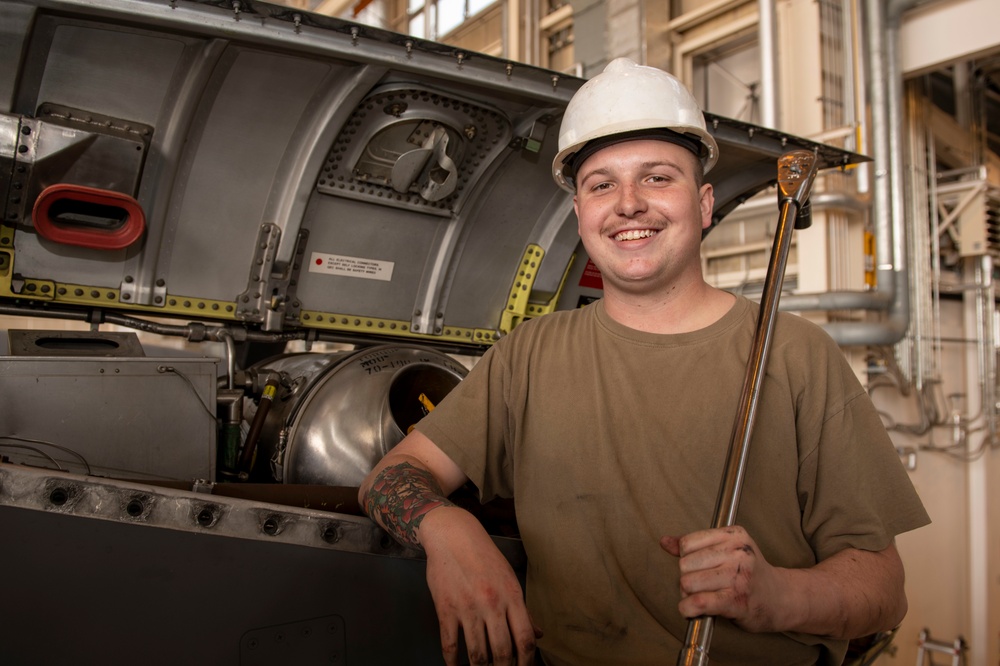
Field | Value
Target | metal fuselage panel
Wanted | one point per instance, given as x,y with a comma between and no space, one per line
295,171
290,175
161,576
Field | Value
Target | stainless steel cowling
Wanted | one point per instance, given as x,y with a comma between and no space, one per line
335,415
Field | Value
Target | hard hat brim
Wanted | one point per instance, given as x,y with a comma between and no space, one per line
570,158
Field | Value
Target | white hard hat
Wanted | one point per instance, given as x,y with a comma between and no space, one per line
630,101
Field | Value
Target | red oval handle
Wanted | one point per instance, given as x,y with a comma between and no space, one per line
88,217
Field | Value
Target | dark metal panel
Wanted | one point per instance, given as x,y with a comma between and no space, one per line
99,571
82,592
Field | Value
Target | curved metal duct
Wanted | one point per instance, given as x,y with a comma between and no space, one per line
335,415
891,295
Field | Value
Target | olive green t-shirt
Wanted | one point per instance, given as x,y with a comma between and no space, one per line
609,438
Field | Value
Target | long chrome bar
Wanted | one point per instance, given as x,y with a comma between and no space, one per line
796,172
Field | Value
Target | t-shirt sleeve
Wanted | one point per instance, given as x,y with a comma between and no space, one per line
854,491
471,425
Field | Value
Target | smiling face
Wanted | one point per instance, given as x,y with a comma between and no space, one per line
641,213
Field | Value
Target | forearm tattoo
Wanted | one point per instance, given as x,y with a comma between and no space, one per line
400,496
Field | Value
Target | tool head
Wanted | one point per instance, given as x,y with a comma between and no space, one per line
796,172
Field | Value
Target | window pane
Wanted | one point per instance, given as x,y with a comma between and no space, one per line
729,84
476,6
417,26
415,5
451,14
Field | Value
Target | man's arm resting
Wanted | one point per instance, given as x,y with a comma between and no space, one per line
413,479
475,591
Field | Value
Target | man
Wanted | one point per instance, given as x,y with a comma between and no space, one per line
609,426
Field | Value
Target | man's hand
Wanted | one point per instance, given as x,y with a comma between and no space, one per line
851,594
723,573
475,592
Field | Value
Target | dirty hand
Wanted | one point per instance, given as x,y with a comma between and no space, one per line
724,574
475,592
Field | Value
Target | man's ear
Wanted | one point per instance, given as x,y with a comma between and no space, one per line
707,204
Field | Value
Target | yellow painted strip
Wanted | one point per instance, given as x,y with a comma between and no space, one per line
41,290
394,327
6,236
78,294
520,291
518,306
201,306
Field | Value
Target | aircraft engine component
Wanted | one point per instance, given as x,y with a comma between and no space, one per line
335,415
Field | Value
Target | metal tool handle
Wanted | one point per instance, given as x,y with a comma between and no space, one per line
796,172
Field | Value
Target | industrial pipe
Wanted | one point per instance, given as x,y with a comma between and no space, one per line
263,407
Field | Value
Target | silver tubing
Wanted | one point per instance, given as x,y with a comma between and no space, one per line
768,29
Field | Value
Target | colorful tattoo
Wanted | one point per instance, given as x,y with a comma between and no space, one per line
400,496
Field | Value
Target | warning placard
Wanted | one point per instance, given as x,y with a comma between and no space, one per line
338,264
591,277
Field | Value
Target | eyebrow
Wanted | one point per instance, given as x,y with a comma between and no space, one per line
645,166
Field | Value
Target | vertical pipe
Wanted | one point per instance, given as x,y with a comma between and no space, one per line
878,93
859,79
246,460
989,347
643,42
848,55
883,89
227,340
896,163
914,364
831,67
935,259
230,402
768,93
978,488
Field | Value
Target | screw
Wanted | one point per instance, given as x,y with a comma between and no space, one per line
135,508
270,526
59,496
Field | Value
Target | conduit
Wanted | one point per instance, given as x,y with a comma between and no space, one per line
891,295
768,93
